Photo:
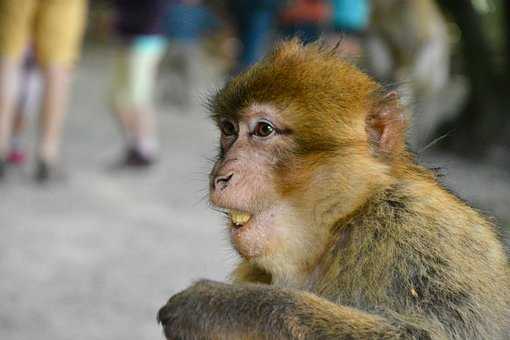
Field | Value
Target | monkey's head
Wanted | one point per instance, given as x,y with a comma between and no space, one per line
305,138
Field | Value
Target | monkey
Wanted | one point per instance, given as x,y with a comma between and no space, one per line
341,234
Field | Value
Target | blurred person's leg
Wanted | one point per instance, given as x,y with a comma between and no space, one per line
54,104
150,51
255,34
133,98
8,97
15,25
27,97
254,25
121,103
16,155
58,34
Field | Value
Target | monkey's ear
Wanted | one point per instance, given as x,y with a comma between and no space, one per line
386,126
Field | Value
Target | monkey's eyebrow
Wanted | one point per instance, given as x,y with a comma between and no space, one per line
218,117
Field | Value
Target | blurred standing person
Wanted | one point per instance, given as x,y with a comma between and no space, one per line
305,19
56,28
254,22
139,24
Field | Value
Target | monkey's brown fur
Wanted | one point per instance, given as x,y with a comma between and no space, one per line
404,258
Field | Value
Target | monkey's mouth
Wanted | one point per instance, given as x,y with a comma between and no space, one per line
239,218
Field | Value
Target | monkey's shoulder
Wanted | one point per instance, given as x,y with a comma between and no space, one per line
413,250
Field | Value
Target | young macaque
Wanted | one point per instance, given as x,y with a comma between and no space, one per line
341,234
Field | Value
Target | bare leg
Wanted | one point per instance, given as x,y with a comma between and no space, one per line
27,97
144,65
19,123
123,110
133,91
16,156
9,70
146,131
56,87
127,122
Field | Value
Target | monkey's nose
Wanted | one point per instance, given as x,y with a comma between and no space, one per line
221,182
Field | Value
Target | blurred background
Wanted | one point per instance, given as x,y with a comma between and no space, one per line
105,144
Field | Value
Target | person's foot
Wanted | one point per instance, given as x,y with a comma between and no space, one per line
136,159
16,157
46,172
42,172
3,168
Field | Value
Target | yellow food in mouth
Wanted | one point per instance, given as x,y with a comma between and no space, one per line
239,218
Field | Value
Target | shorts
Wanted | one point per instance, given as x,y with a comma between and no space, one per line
136,72
53,27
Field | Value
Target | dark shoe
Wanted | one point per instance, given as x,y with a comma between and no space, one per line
135,159
42,172
46,172
3,169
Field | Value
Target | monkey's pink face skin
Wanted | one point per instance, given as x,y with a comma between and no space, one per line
242,181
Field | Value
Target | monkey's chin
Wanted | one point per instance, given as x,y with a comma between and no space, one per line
255,237
243,241
252,232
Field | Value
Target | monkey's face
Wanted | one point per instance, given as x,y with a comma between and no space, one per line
274,192
243,180
296,154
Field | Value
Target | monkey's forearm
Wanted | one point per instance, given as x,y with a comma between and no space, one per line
263,312
319,318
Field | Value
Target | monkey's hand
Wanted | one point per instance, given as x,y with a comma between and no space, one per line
212,310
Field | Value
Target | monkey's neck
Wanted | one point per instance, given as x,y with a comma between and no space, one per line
361,244
334,257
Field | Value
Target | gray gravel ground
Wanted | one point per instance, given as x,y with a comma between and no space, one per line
96,256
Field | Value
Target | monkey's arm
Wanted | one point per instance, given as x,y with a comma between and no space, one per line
211,310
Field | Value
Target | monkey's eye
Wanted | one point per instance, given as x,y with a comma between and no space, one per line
263,129
227,128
